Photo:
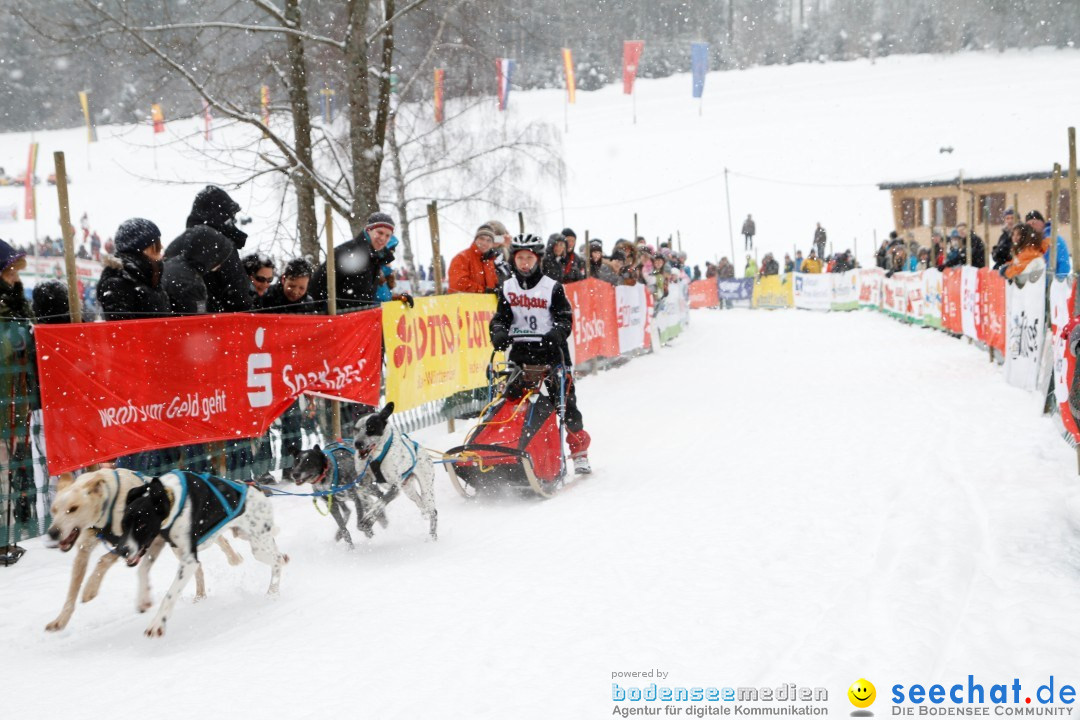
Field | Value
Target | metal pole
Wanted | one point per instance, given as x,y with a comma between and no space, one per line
69,237
730,227
635,229
331,304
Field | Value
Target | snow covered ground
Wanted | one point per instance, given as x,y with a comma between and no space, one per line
780,497
805,143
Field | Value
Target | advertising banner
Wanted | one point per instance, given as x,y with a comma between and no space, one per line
774,291
673,312
741,289
845,291
112,389
813,291
870,287
595,319
1024,308
631,57
992,309
913,296
436,349
699,65
1061,294
950,301
932,291
704,294
969,301
631,311
894,296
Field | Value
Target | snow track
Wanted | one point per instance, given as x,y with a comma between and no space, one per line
779,497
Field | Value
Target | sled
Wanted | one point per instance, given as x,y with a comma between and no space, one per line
518,443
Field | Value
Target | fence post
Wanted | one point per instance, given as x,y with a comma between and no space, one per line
433,226
69,236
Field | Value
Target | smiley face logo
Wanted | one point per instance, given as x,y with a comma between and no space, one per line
862,693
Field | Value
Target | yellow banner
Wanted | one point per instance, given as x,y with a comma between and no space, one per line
774,291
436,349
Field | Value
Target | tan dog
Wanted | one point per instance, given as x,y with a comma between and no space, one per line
91,505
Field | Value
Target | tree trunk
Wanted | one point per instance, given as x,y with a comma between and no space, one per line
356,77
306,223
401,204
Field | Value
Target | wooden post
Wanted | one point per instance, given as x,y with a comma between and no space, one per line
1016,206
521,220
433,226
331,305
678,234
69,237
634,240
1055,210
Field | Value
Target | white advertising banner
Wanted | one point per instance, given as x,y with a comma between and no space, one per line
870,281
1025,333
813,291
932,289
845,291
913,293
1060,290
631,309
969,302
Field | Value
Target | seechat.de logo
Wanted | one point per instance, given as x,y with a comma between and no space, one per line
862,695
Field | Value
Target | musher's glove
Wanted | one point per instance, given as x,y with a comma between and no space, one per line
407,299
500,339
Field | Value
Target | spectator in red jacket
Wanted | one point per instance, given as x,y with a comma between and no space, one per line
473,269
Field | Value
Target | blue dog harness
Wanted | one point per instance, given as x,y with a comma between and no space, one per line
410,445
217,502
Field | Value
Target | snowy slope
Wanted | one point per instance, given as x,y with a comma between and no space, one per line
779,498
805,143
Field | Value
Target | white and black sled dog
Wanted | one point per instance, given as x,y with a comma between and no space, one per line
189,510
332,470
394,463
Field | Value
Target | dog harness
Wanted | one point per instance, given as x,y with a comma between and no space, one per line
215,502
329,451
411,447
104,524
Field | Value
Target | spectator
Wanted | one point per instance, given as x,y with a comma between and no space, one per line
812,264
749,229
260,269
1003,250
725,270
769,265
574,267
596,258
211,225
789,264
473,269
612,271
956,253
1043,229
359,264
50,303
95,246
697,273
978,249
131,281
798,261
937,249
13,303
923,259
710,270
819,240
1028,262
554,261
290,294
186,277
502,248
882,255
386,281
659,278
751,269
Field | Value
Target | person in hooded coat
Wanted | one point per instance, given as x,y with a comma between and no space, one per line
130,285
187,272
212,222
573,264
358,264
13,302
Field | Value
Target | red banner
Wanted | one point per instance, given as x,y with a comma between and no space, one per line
704,294
112,389
596,327
992,309
440,76
951,313
31,199
631,55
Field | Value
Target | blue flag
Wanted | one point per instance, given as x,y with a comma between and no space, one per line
699,65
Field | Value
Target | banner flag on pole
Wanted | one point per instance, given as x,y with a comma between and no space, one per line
440,75
568,69
631,55
30,212
158,117
208,118
91,131
504,70
699,65
264,103
327,104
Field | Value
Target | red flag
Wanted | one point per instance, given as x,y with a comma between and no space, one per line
631,56
439,76
31,198
158,117
109,390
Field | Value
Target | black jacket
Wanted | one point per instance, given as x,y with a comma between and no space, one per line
274,301
13,302
186,275
770,267
130,288
229,287
562,319
978,254
358,267
1002,253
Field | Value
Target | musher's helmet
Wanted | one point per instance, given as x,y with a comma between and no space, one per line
526,241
